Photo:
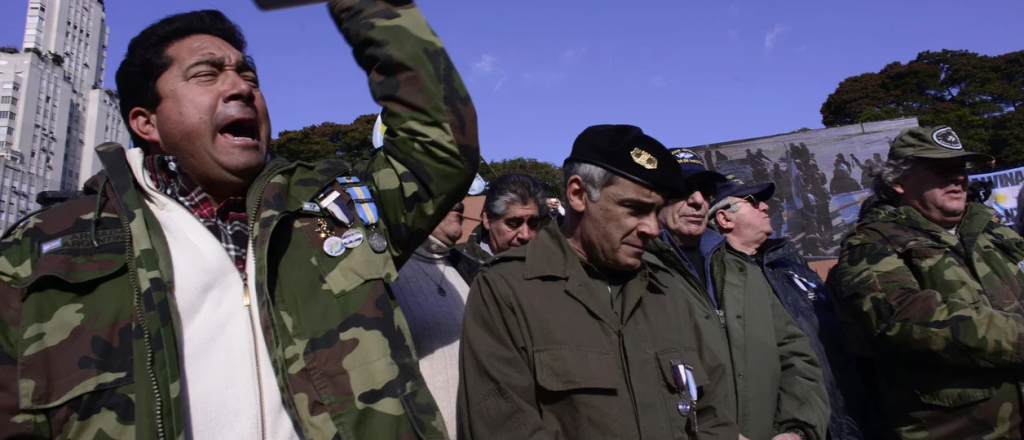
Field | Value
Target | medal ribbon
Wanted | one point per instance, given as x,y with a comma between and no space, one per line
362,198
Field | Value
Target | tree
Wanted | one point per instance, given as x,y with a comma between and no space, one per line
975,94
548,174
329,140
8,49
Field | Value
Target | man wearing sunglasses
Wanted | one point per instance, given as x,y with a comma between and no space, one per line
778,383
935,284
513,210
740,214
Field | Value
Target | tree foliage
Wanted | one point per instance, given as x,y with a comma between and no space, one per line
978,95
548,174
329,140
352,143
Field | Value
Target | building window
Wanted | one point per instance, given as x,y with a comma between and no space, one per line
9,100
10,130
11,85
7,115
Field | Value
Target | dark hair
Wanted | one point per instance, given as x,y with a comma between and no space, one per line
513,188
146,59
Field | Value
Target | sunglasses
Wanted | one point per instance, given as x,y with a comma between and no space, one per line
753,201
532,222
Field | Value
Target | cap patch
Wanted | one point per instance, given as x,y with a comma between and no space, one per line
685,155
644,159
945,138
734,179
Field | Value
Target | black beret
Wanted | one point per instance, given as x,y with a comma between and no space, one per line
626,151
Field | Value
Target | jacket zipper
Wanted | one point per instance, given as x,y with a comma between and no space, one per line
141,315
247,302
256,353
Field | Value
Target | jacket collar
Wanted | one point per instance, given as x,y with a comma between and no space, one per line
710,241
776,249
117,171
976,218
550,255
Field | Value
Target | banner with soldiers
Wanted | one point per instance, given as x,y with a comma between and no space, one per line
822,176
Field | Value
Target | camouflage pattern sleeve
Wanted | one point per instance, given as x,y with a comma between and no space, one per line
883,295
430,151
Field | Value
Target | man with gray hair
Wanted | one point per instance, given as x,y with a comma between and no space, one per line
513,210
582,335
935,286
779,392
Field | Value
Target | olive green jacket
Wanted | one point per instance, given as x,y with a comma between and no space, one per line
778,380
544,356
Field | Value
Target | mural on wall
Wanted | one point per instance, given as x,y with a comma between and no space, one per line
821,177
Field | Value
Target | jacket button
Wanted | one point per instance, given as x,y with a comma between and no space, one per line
707,316
741,375
742,269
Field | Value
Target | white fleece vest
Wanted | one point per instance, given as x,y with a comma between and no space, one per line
223,356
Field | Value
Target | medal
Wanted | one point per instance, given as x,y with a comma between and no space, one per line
378,243
334,246
352,238
323,229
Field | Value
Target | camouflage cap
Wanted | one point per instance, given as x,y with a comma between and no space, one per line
932,143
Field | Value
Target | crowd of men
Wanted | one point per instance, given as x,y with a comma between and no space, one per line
648,303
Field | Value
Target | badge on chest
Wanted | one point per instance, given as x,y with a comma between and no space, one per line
351,205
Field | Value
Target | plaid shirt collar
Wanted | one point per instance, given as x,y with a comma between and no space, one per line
229,222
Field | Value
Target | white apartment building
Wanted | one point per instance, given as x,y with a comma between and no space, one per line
53,108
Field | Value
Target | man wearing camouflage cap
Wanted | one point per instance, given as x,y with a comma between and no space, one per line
779,390
935,285
579,334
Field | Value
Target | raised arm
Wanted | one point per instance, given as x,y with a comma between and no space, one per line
431,151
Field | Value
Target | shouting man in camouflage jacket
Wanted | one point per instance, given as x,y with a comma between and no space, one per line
936,286
198,290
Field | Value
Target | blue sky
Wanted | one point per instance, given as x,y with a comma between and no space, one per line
688,72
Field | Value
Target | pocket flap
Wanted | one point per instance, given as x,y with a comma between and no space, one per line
569,368
74,258
688,355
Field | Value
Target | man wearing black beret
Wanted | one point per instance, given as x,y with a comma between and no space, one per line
580,334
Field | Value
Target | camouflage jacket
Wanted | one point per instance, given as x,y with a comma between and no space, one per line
88,342
943,314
